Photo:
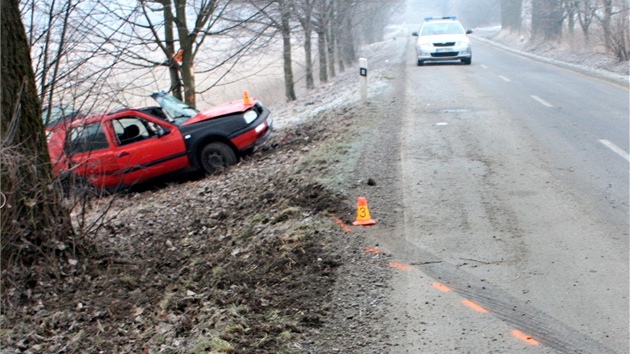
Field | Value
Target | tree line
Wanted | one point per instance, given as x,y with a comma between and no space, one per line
551,19
77,44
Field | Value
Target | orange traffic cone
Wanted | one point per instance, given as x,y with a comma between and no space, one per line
246,100
363,213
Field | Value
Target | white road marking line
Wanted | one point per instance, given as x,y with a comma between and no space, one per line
483,66
541,101
619,151
504,78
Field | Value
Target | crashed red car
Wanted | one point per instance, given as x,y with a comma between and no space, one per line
133,145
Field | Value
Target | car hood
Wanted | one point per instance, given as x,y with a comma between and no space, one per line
442,38
238,106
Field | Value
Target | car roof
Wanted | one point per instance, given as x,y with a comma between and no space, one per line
101,116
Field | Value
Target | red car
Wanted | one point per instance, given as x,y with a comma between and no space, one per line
132,145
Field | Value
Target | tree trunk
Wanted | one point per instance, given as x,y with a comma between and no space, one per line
169,41
348,42
188,75
186,41
321,52
31,207
547,19
330,43
511,15
607,22
308,48
286,51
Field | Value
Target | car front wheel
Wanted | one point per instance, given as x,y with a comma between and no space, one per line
216,156
467,61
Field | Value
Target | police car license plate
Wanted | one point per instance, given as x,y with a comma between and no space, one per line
443,50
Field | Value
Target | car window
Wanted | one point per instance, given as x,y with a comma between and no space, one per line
132,129
86,138
53,115
432,29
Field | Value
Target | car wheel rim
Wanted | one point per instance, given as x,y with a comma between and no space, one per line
215,160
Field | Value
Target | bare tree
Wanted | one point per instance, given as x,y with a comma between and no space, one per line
67,42
187,37
278,14
586,11
321,21
616,28
32,211
547,19
303,10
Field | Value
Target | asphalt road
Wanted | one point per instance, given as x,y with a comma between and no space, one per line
515,178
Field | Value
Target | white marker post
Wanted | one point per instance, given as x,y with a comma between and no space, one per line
363,70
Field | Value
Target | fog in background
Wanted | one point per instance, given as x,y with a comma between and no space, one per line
472,13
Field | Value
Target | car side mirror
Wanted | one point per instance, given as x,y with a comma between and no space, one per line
468,31
415,34
161,131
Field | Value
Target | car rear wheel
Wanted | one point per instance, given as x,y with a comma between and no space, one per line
216,156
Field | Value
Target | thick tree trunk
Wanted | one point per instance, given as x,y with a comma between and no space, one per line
30,203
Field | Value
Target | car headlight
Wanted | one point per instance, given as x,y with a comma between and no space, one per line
250,116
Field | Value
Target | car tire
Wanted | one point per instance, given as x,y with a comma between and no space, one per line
420,63
467,61
216,156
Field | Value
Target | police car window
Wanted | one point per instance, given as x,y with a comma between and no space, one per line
431,29
86,138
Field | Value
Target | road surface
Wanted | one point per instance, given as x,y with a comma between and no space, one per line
513,233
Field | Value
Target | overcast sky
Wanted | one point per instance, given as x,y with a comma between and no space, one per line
472,13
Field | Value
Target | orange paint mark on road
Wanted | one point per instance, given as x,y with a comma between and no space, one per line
442,287
343,225
373,250
474,306
524,337
399,266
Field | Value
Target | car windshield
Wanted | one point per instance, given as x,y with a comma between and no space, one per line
178,110
433,29
55,115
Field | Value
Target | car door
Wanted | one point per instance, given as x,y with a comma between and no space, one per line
90,155
146,147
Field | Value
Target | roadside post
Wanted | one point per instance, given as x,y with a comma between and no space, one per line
363,70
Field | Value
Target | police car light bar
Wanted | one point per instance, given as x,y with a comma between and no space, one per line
441,18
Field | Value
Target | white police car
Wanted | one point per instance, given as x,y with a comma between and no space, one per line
443,38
